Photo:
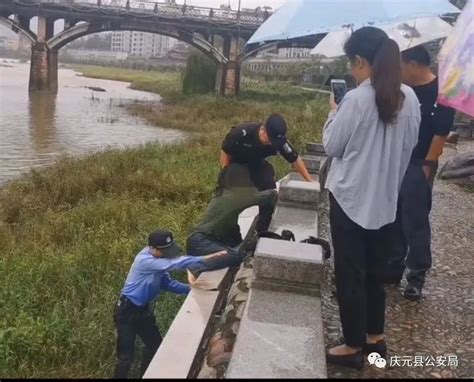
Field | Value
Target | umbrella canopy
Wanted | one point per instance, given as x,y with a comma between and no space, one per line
407,34
456,65
300,18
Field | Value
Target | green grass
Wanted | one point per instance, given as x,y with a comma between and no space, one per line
69,233
164,83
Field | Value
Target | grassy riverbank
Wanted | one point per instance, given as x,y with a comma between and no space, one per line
68,234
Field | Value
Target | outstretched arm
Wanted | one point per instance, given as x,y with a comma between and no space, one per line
301,168
174,286
291,155
178,264
167,265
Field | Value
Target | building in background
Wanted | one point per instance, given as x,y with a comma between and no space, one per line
275,60
14,46
141,44
291,54
178,52
92,55
9,43
14,43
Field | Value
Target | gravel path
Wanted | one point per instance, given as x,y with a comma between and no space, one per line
442,323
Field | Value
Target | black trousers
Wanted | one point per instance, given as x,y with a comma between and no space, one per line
199,244
130,321
360,257
263,177
412,245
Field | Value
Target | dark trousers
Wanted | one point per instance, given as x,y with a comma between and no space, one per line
412,244
130,321
360,256
263,177
199,244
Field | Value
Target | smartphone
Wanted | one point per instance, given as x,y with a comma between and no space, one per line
339,89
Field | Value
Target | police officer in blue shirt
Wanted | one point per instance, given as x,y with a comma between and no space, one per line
148,275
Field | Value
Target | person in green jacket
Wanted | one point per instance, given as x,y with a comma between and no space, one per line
218,231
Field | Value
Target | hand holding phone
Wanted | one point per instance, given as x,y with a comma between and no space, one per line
339,89
332,103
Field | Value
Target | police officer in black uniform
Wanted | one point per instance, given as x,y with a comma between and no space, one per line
250,143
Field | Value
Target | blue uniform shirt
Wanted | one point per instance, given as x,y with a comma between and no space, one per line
149,275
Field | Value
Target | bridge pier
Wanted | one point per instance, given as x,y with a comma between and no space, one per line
44,61
43,69
228,74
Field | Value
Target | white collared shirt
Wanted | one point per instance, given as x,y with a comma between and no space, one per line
369,158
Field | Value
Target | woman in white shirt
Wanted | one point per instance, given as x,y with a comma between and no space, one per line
369,136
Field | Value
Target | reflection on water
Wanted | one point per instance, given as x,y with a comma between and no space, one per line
37,128
42,122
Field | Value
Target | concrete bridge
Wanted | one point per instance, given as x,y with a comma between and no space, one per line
218,33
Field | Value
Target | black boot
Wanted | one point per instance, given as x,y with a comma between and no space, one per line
412,293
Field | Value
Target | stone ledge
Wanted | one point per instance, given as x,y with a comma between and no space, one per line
299,206
312,163
299,192
314,148
176,355
190,330
293,175
280,336
465,131
300,264
303,222
323,172
286,287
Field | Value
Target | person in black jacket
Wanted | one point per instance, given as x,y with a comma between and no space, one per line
251,143
412,247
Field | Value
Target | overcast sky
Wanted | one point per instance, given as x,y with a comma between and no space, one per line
206,3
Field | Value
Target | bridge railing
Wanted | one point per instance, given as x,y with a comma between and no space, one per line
168,8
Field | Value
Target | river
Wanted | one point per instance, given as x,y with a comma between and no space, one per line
36,129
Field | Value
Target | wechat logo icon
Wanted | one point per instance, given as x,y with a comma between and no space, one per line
375,359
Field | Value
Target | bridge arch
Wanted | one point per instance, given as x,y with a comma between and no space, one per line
14,27
83,29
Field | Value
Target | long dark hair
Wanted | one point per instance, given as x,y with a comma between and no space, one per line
383,55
